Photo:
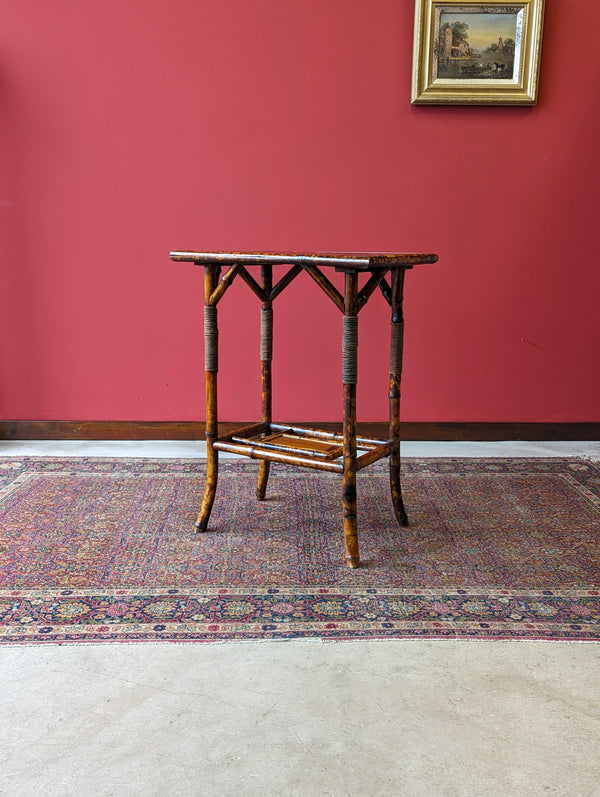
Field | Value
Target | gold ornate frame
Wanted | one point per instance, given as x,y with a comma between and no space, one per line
476,79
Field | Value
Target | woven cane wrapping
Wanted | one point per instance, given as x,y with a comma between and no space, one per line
266,334
396,347
350,350
211,339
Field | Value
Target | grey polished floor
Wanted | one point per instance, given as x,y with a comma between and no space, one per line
301,717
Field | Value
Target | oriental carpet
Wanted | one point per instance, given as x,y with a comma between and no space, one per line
97,550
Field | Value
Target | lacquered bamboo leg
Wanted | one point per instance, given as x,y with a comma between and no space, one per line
396,348
266,357
394,460
349,380
211,365
263,478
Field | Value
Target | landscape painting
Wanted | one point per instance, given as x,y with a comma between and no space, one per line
484,52
477,45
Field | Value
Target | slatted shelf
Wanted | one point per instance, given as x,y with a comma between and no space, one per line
294,445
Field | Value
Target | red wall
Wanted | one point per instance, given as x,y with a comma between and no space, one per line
134,127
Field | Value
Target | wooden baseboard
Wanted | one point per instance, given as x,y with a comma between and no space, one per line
194,430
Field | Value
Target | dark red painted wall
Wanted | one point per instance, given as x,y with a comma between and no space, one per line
134,127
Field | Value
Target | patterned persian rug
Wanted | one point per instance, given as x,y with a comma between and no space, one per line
95,550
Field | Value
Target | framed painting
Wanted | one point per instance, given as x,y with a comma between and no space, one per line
474,52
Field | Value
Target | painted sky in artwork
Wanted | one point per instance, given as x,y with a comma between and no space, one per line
484,28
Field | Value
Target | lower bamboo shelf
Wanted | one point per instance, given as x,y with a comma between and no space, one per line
294,445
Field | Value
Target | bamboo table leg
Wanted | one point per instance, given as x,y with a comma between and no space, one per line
396,346
266,357
211,361
349,380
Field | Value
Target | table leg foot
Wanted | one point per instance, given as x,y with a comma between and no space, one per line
201,524
396,490
263,478
209,491
350,525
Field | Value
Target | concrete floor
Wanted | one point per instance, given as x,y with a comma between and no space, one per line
301,717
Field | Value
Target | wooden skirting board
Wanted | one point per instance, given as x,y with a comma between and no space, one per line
194,430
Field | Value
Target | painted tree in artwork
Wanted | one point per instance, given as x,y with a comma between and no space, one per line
460,31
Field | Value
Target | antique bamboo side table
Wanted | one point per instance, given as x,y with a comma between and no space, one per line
310,448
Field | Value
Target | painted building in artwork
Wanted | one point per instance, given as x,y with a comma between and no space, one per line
451,49
447,44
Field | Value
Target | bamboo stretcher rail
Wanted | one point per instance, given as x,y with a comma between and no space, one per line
251,436
365,442
272,452
256,452
274,446
373,455
246,431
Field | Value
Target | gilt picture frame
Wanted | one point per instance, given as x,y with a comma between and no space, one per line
474,52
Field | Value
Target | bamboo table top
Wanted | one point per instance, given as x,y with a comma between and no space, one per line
341,261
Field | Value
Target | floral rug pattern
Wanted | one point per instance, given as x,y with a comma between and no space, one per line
97,550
